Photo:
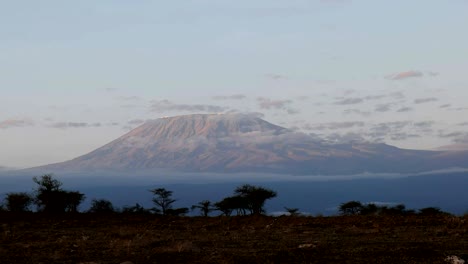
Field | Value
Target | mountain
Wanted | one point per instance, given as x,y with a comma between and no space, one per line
243,143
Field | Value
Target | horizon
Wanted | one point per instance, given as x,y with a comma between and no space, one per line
76,76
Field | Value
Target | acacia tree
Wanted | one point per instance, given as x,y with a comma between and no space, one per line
292,211
255,197
18,202
350,208
231,204
51,198
225,206
73,199
371,209
204,206
163,199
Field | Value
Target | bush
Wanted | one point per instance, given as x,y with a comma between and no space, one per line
177,211
137,209
18,202
432,211
101,206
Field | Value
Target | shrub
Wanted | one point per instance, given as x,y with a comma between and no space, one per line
18,202
101,206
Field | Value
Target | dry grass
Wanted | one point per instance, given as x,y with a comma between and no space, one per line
85,238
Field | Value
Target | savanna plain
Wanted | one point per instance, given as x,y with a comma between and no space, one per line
120,238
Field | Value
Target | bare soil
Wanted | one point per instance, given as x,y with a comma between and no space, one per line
116,238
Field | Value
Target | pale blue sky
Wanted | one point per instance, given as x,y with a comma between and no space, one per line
77,74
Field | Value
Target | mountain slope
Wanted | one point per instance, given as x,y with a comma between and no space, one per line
242,143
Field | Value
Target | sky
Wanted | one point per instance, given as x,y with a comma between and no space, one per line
75,75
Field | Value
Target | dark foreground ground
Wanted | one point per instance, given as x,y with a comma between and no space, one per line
150,239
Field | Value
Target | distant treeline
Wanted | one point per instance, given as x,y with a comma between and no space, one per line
49,197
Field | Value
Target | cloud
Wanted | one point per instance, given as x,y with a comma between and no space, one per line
358,100
445,105
424,126
403,136
397,95
357,112
404,109
110,89
404,75
463,124
129,98
276,77
400,130
433,74
463,138
250,114
292,111
425,100
388,126
230,97
358,131
334,125
383,107
456,134
459,109
256,114
266,103
457,137
9,123
65,125
135,122
130,101
374,97
349,101
381,131
269,104
165,106
130,106
349,91
345,138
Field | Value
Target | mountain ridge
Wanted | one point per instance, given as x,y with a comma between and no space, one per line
243,143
